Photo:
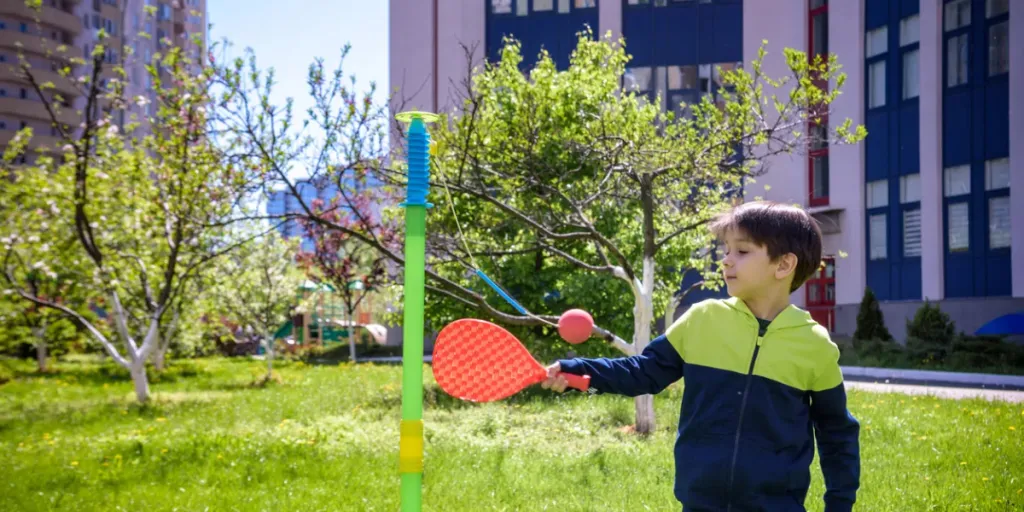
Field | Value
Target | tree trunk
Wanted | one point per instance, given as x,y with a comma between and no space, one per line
268,346
351,338
643,312
41,347
140,380
159,357
643,315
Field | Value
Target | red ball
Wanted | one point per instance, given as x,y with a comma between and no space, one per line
575,326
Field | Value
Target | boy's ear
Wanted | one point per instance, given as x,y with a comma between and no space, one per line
786,266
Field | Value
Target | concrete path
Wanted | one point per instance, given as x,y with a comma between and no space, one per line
939,391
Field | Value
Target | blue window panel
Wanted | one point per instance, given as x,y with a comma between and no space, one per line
877,145
997,121
728,37
678,34
909,7
910,279
684,33
999,269
551,31
638,31
956,128
878,278
959,275
909,139
876,14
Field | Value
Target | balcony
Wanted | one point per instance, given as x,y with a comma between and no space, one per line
38,140
63,85
47,15
34,109
37,45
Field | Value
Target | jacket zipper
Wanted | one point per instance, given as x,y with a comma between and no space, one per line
739,425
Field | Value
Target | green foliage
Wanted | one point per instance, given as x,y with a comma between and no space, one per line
931,323
563,184
227,444
870,322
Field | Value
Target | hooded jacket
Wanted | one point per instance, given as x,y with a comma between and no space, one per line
755,400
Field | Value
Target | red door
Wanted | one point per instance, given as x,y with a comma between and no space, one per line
821,294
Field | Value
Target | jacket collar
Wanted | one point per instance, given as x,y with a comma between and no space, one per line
790,317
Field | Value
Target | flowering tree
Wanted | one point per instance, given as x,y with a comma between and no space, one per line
145,212
261,293
353,268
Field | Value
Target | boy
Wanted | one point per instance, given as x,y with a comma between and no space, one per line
761,376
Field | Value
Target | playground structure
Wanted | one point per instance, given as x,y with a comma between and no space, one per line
325,320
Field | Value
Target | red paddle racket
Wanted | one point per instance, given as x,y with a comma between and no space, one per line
479,361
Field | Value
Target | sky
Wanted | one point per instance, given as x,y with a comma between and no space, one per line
288,35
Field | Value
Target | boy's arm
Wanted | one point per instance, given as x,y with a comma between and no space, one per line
648,373
837,433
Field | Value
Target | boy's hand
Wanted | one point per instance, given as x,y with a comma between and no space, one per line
555,381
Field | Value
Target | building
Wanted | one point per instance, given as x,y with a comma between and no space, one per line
283,202
66,29
920,211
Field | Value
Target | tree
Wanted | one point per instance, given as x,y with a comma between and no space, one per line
354,269
570,170
262,292
870,322
566,173
146,210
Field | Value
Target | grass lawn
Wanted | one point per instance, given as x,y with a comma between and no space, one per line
326,438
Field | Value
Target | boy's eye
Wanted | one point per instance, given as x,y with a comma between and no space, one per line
742,252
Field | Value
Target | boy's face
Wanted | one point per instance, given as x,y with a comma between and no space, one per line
749,272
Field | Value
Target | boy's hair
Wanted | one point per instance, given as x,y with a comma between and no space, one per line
781,228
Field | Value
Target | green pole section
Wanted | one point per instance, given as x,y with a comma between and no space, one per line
410,448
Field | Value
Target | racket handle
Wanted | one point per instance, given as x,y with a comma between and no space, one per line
580,382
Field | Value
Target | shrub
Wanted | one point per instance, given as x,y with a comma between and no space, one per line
930,335
870,322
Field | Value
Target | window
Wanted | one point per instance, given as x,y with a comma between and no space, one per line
909,33
910,188
543,5
912,233
165,12
999,48
23,27
563,6
910,75
876,42
997,174
820,177
878,193
957,180
958,14
999,222
818,3
501,6
682,77
584,4
959,227
522,7
996,7
876,84
637,79
876,237
819,33
956,60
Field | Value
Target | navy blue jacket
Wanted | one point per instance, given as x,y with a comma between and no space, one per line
755,400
